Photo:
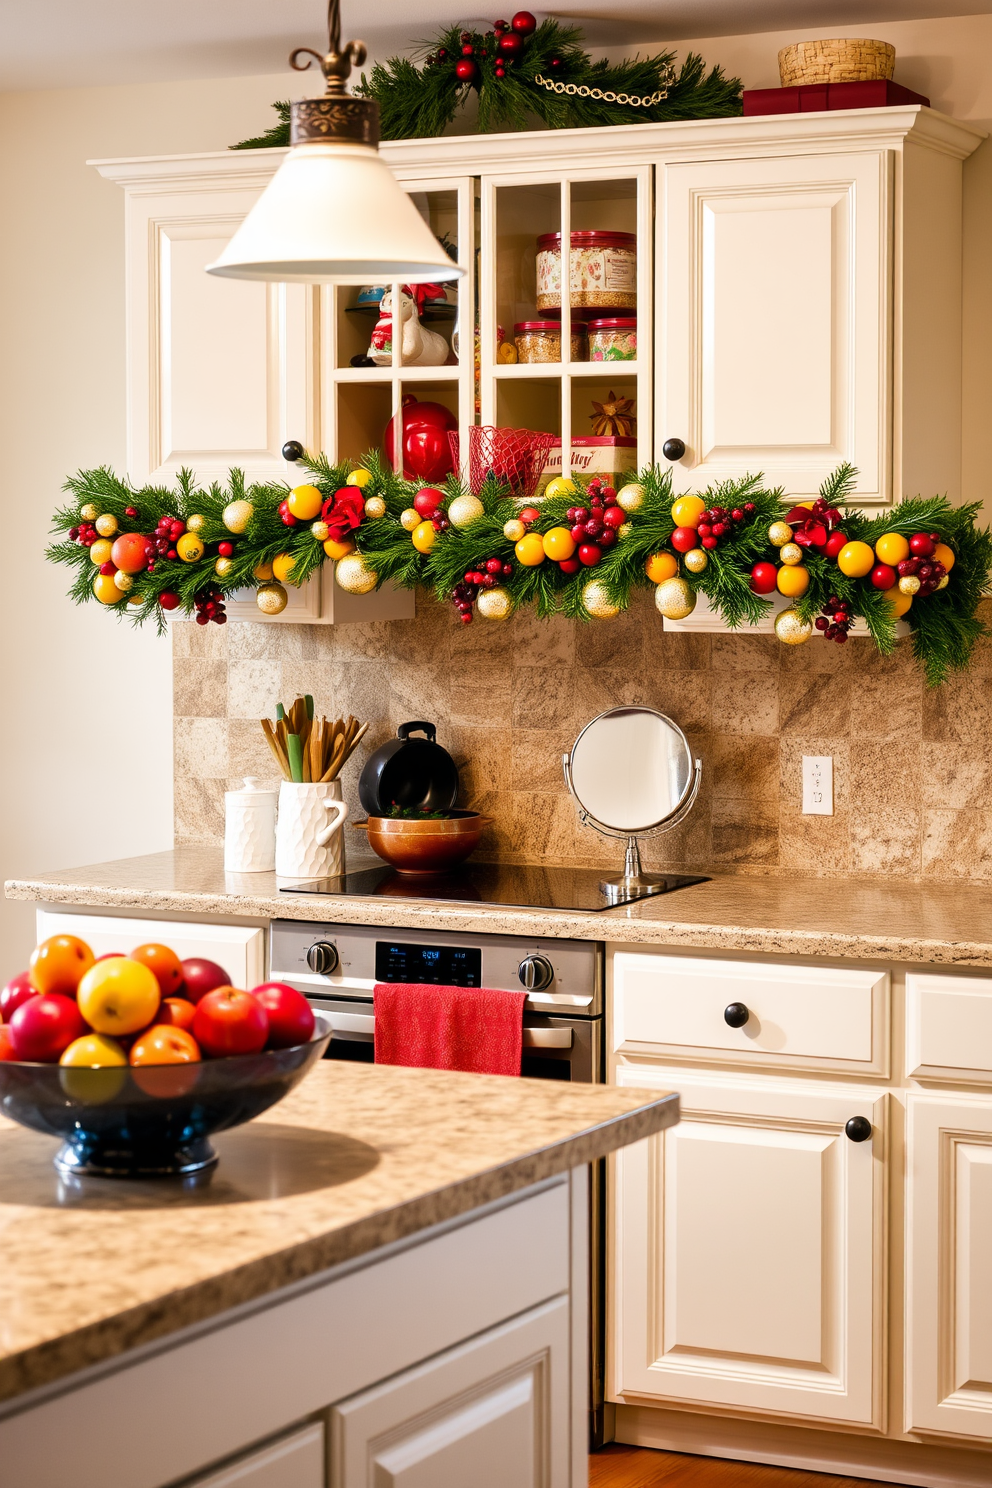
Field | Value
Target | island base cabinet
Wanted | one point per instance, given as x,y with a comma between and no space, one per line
748,1251
490,1413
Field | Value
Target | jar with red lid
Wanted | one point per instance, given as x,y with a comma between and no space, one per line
540,341
613,338
602,272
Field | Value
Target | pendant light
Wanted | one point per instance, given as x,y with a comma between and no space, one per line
334,212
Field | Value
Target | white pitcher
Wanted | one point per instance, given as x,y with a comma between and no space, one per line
309,840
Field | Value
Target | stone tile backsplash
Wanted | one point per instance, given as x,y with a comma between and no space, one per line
912,773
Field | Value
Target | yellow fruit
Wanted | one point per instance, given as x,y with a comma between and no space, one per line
945,555
513,530
661,566
94,1069
282,567
687,511
560,485
558,543
337,550
106,525
94,1051
424,537
530,550
106,590
262,572
305,502
100,551
118,996
856,559
900,602
891,548
410,519
793,582
360,478
190,547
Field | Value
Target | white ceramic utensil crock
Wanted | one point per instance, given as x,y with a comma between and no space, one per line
250,828
309,841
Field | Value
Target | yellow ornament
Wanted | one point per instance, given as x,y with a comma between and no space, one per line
909,584
597,601
196,523
237,515
530,550
661,566
791,553
262,572
106,525
793,582
101,550
631,497
494,604
791,628
513,530
224,567
105,589
360,478
375,507
320,531
271,599
696,559
779,533
558,543
89,512
123,581
560,485
892,548
336,550
282,567
424,536
900,602
354,575
304,503
687,511
856,559
410,519
675,599
464,509
190,547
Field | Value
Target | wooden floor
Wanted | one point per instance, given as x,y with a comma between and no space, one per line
617,1466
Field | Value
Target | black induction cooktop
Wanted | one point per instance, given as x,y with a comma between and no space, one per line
523,885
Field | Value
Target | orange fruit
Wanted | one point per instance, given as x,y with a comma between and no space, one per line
177,1011
945,555
338,550
59,964
94,1051
530,550
558,543
891,548
423,537
793,582
661,566
855,559
106,590
118,996
282,567
165,964
687,511
94,1069
130,552
900,602
262,572
164,1043
305,503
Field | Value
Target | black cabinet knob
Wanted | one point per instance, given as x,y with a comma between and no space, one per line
293,450
736,1014
322,957
673,449
858,1129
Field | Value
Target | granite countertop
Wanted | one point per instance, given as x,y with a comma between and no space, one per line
356,1157
940,924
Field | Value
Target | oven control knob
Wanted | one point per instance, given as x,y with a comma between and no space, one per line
536,973
322,957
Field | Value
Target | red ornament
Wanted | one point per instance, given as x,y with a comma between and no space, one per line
168,600
427,501
225,549
510,43
524,23
528,515
426,451
589,555
883,576
764,578
466,70
834,543
920,545
684,538
468,50
569,565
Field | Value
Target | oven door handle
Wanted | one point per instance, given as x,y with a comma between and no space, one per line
364,1023
548,1038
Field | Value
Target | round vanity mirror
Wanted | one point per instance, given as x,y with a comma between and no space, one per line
632,773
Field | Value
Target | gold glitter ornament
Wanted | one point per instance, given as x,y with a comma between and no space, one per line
271,599
224,567
909,584
237,515
943,581
464,509
320,531
791,553
779,533
631,497
123,581
695,560
106,525
196,523
597,601
410,519
513,530
354,575
675,598
494,604
625,530
89,512
375,506
791,629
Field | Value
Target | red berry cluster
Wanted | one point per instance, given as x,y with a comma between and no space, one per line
836,620
85,534
162,544
922,564
593,527
488,574
505,42
719,525
209,605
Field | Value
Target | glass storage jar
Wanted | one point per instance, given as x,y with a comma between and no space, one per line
613,339
603,271
540,341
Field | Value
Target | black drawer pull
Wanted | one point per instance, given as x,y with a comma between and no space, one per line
736,1014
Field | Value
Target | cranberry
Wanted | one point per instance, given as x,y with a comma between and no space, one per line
466,617
607,538
593,527
704,529
614,516
737,515
749,508
507,570
578,531
225,549
581,514
709,543
494,566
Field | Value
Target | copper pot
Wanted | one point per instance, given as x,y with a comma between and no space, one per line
431,846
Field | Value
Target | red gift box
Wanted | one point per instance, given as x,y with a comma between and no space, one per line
816,98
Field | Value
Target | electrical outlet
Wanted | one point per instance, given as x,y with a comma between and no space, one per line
818,785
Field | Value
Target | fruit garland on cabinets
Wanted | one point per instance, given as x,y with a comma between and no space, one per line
580,551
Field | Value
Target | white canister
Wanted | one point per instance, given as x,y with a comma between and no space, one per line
309,840
250,828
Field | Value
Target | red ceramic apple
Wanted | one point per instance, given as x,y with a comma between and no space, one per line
427,454
291,1018
229,1021
202,976
46,1025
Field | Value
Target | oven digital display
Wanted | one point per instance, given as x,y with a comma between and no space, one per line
448,966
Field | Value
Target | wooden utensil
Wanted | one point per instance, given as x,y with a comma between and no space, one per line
307,748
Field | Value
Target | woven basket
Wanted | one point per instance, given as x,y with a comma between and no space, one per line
836,61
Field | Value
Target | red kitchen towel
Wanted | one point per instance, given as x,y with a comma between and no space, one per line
478,1029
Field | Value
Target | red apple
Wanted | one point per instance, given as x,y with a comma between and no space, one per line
17,990
203,976
6,1043
230,1021
42,1028
291,1018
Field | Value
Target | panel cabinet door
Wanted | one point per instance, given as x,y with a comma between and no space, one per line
773,319
492,1412
748,1251
948,1275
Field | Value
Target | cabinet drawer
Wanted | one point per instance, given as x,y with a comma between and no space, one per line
949,1028
795,1016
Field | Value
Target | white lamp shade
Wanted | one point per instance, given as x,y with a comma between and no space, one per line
335,213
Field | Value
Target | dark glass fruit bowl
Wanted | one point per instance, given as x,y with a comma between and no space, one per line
154,1119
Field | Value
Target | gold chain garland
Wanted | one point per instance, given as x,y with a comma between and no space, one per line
580,90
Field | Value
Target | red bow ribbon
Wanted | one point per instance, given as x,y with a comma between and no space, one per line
343,513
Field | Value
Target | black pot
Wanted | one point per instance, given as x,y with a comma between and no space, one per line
409,772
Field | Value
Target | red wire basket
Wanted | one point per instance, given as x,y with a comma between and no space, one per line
516,456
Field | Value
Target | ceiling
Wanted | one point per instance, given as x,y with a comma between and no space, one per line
62,43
